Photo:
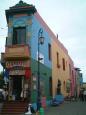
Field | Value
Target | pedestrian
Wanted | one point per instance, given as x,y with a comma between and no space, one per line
81,96
84,94
75,96
4,94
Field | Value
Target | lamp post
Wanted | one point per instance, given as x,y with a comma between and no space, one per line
40,42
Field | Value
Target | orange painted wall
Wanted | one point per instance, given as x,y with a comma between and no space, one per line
59,73
57,46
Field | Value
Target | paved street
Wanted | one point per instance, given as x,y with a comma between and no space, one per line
67,108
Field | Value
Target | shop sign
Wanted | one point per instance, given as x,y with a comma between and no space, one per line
10,64
17,72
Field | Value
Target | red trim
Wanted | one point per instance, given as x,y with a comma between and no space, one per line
17,45
27,73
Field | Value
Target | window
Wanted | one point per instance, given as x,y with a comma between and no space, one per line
50,85
49,51
63,63
19,35
58,60
64,85
73,76
69,69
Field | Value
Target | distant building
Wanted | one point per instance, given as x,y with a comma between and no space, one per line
84,85
79,80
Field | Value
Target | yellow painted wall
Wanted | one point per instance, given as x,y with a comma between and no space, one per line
59,73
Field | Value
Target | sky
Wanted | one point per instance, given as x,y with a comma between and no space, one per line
67,18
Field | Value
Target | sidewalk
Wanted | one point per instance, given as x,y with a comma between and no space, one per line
67,108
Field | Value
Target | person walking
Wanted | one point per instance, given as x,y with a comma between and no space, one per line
81,95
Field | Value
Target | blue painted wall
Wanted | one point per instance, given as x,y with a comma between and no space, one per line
22,21
34,42
31,36
32,28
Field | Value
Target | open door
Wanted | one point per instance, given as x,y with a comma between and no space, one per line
17,87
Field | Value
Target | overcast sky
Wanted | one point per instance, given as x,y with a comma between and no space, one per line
67,18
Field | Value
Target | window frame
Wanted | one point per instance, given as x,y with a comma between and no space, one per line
49,51
15,40
63,63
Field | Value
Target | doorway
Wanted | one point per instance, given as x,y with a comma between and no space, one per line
50,85
17,87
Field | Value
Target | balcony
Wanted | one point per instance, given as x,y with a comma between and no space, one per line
17,52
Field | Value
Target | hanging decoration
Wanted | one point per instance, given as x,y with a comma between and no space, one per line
27,73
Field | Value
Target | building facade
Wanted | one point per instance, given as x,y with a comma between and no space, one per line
79,81
25,26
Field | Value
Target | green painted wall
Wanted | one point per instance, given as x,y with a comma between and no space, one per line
45,74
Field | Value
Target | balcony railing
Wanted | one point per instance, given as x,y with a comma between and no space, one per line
17,52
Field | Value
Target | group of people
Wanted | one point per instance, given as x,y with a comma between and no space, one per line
82,95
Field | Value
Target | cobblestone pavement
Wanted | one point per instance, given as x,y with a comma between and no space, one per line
67,108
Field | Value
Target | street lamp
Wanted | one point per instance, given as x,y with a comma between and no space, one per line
40,42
